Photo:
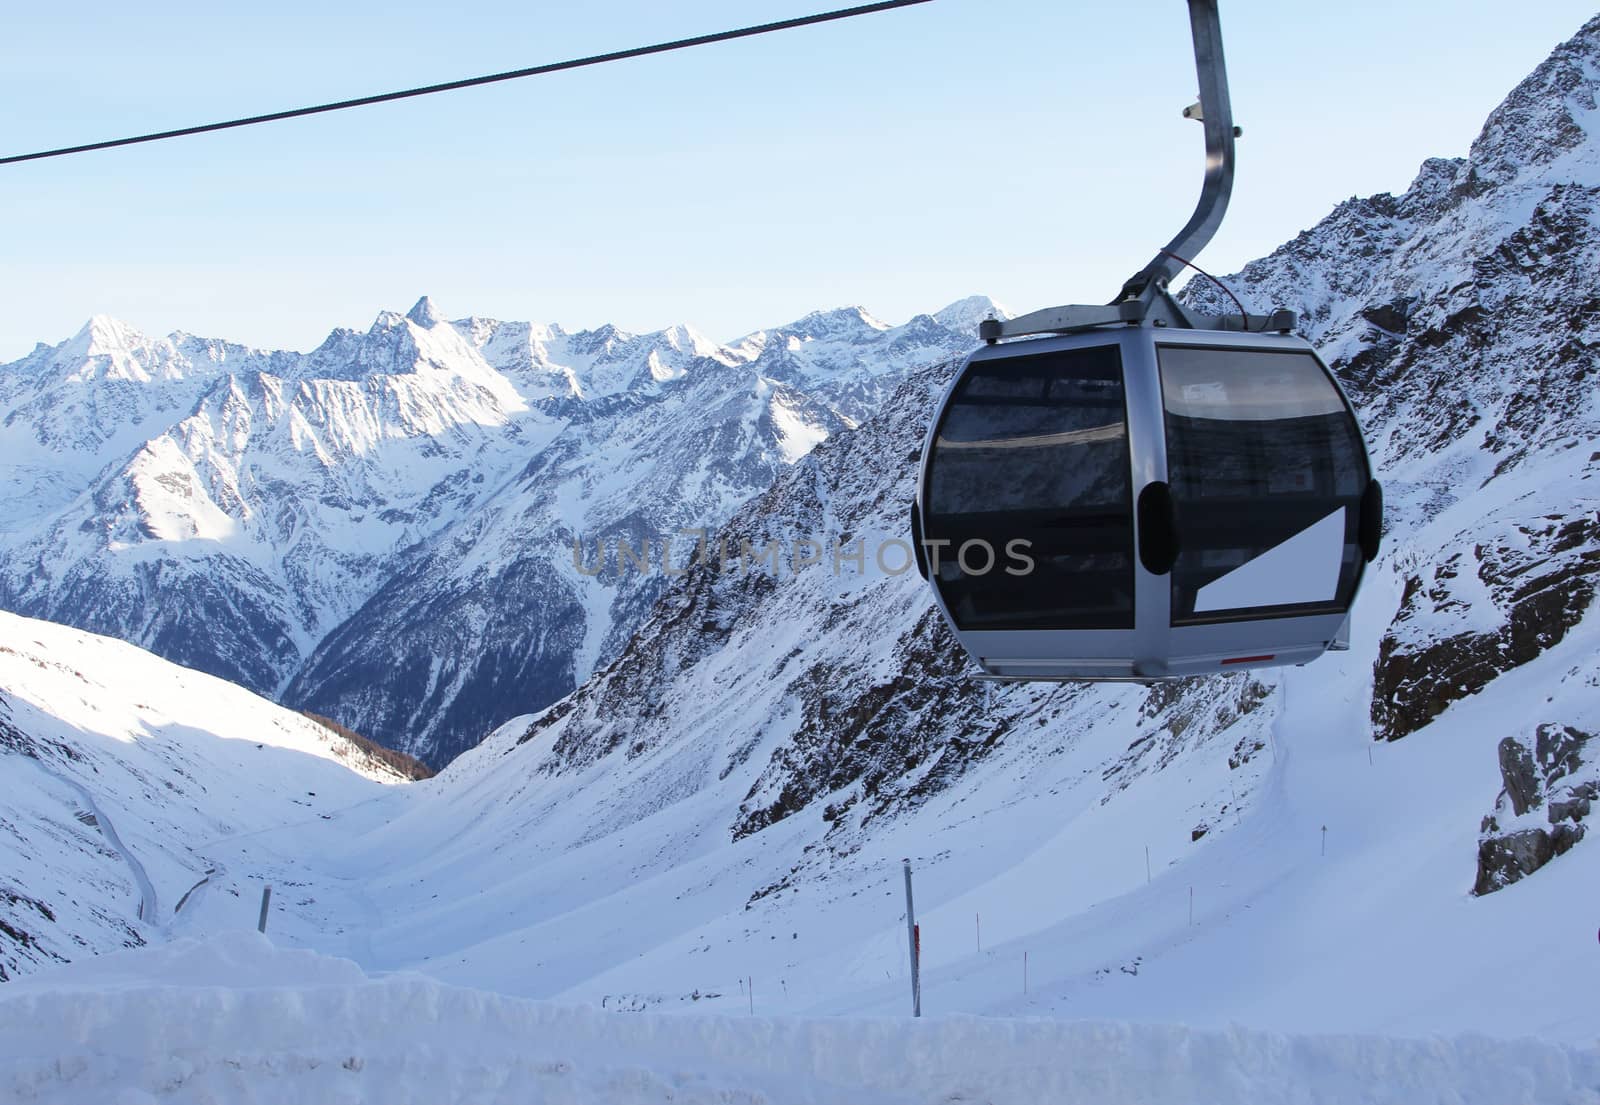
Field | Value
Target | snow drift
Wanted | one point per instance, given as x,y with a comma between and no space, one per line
236,1019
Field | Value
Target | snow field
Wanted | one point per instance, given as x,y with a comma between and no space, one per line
235,1019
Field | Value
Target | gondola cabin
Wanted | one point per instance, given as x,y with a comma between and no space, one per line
1138,503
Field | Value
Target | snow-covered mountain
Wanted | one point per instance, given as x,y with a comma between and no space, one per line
118,770
382,529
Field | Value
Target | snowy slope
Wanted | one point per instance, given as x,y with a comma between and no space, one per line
712,809
328,526
117,767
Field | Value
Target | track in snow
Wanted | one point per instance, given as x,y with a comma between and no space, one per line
149,906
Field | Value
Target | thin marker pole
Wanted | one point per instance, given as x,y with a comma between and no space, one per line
1147,865
916,937
266,897
1191,906
911,942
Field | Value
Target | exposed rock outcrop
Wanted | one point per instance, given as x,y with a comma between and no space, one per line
1521,782
1541,578
1551,775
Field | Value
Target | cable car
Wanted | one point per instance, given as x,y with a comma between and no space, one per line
1135,492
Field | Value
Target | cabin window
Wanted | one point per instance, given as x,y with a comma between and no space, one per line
1034,449
1266,468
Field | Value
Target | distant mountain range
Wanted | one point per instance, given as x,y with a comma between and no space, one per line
381,530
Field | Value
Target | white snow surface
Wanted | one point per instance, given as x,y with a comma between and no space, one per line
235,1018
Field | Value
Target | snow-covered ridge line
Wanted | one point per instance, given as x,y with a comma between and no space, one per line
109,349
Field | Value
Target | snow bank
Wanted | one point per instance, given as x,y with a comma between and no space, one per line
236,1019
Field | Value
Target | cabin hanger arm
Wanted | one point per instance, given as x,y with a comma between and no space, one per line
1144,298
1215,112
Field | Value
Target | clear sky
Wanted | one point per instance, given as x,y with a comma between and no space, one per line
1031,150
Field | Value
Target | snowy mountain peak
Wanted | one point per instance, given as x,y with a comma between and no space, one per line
686,339
964,314
104,334
1549,116
1433,183
424,314
602,339
122,351
837,324
110,350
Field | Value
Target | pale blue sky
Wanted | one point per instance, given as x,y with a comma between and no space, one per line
1029,150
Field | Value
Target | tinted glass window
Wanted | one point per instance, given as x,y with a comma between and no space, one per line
1030,460
1267,470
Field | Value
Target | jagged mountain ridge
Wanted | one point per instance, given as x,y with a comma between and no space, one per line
380,529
